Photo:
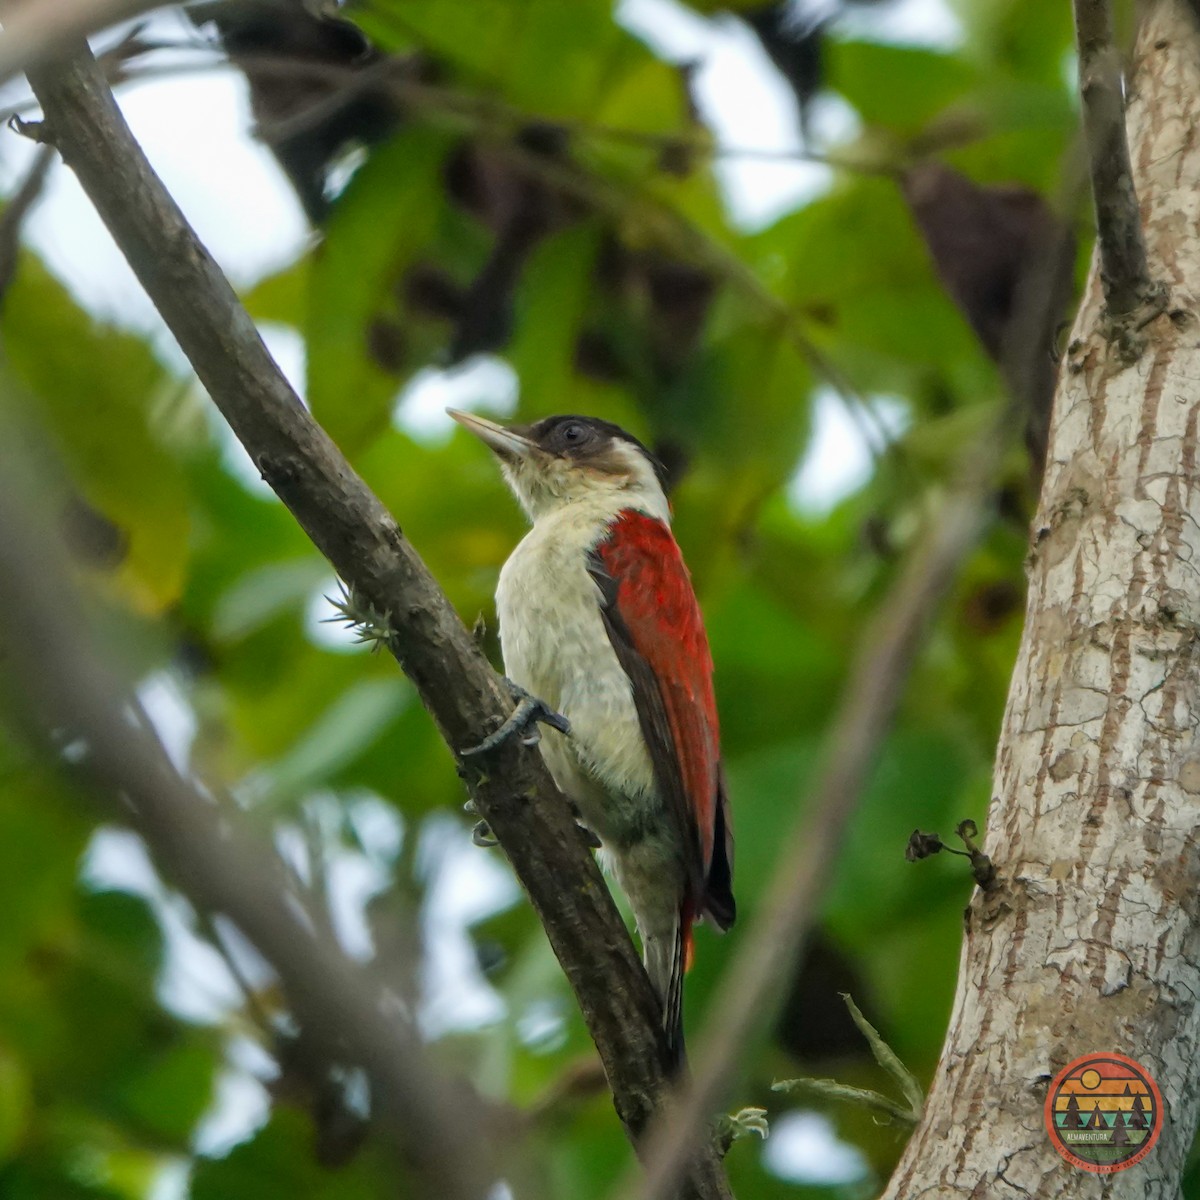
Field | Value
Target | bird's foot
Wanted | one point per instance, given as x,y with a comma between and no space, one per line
483,837
481,833
522,722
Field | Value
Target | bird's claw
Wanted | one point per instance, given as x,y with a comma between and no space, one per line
483,837
523,721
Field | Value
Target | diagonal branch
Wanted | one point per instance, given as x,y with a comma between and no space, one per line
350,526
1123,269
753,983
67,692
16,209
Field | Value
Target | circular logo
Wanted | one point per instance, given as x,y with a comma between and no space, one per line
1103,1113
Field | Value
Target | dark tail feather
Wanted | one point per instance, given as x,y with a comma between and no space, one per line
673,999
718,904
667,961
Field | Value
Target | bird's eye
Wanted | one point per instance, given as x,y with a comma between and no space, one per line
573,433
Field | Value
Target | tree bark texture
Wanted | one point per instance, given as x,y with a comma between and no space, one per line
1090,942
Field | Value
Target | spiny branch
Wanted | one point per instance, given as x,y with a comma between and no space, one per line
908,1113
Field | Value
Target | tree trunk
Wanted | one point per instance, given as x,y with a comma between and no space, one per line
1091,940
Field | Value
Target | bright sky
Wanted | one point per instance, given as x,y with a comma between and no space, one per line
194,129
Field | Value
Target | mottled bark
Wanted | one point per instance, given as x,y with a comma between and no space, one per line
1091,942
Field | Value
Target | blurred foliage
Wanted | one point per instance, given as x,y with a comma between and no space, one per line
545,193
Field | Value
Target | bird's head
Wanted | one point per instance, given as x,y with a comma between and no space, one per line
565,460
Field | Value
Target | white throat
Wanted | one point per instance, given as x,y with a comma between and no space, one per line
565,493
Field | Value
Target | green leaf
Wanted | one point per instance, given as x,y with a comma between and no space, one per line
43,835
16,1103
899,88
759,358
99,394
259,596
382,222
282,296
552,58
279,1160
168,1096
343,731
551,302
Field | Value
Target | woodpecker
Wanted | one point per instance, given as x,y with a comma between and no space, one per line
599,622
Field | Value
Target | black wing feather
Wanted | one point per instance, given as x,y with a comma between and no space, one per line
653,719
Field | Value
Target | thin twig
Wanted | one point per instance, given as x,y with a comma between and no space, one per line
316,887
754,981
466,110
512,790
1123,268
693,142
17,208
462,110
251,1000
489,113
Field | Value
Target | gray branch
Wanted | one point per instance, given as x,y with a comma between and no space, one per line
753,984
67,692
16,209
350,526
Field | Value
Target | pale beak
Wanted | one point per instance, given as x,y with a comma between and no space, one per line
505,442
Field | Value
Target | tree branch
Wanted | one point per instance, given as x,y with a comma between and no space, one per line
16,209
68,693
350,526
1123,269
1083,942
752,985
